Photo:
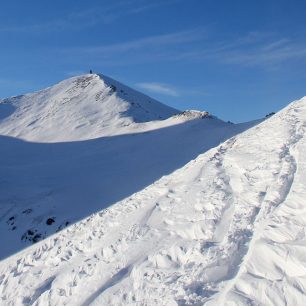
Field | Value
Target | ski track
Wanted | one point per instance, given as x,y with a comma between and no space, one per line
194,237
273,199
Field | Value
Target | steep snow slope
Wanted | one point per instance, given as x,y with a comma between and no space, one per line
226,229
69,181
82,107
46,186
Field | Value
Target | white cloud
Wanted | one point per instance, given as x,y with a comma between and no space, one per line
197,45
159,88
176,38
77,20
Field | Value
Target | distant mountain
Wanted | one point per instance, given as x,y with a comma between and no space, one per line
82,107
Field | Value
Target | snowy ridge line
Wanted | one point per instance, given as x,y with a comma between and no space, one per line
271,202
79,108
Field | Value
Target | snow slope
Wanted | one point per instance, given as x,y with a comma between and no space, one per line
45,187
82,107
228,228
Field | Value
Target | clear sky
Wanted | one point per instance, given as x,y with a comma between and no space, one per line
237,59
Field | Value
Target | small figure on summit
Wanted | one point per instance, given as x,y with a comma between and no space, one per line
90,71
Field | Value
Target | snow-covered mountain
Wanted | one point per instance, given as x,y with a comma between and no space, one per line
83,107
171,214
49,184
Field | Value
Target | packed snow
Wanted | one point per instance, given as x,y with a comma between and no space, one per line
189,210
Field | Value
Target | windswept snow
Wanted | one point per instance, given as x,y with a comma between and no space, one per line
228,228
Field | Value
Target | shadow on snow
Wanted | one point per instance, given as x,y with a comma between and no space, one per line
46,186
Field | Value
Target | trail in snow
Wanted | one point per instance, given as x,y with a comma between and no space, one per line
259,270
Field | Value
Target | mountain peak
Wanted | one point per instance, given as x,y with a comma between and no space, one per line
82,107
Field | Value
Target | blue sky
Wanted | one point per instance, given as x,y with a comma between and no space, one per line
236,59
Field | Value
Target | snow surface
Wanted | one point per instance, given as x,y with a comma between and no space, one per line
188,221
83,107
64,182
